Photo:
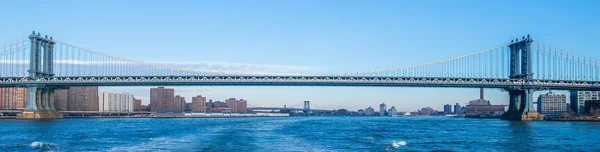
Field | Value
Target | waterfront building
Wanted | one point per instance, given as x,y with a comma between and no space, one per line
178,103
458,109
145,108
237,105
115,101
578,99
392,111
13,98
382,109
82,99
137,104
162,99
592,107
483,107
360,112
447,109
198,104
552,104
188,107
369,111
427,111
216,106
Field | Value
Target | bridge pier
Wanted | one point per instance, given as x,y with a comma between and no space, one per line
521,106
40,102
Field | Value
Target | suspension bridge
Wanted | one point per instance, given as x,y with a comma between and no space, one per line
522,66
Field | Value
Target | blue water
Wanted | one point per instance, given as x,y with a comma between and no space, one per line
297,134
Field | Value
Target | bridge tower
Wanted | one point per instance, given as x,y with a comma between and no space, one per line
306,109
521,98
40,104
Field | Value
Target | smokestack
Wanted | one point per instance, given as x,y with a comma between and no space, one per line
481,93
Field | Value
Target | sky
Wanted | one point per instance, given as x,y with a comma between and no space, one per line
309,36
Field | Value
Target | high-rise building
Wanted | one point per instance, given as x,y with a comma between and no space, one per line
114,101
198,104
447,109
457,109
552,104
179,103
578,99
369,111
82,99
237,105
13,98
60,99
382,109
137,104
162,99
392,111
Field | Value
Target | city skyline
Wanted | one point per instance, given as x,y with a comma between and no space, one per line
361,36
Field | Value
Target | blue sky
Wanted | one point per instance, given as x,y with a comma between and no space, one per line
321,36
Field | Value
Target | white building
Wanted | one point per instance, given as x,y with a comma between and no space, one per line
578,99
552,104
113,101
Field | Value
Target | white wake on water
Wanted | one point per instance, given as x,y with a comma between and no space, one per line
36,144
398,144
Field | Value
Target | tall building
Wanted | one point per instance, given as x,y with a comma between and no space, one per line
369,111
552,104
447,109
382,109
578,99
137,104
198,104
392,111
114,101
457,109
179,103
237,105
82,99
13,98
60,99
162,99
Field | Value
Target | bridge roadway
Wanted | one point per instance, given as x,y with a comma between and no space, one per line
370,81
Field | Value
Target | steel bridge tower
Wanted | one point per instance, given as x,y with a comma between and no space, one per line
521,97
40,104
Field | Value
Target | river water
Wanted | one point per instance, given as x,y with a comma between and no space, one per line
297,134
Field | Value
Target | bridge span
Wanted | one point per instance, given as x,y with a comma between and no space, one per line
520,67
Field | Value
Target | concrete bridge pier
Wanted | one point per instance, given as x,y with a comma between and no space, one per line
40,104
521,106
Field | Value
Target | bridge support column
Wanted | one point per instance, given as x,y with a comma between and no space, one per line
521,106
40,104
